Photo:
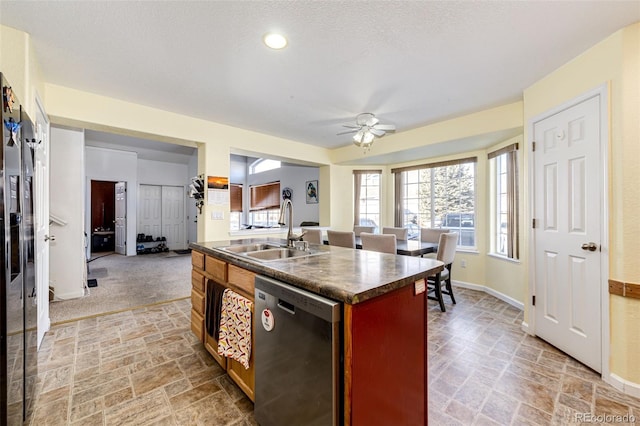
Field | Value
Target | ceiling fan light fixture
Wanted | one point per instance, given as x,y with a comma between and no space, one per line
364,138
367,129
275,41
358,136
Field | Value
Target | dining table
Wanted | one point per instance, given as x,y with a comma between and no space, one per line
406,247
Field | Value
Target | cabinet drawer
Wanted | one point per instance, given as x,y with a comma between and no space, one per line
197,281
197,325
242,279
197,302
197,259
216,268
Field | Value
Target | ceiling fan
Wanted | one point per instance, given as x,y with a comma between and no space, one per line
366,129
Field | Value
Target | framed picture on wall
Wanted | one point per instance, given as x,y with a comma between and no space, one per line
312,191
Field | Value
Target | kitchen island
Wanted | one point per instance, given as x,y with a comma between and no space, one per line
384,313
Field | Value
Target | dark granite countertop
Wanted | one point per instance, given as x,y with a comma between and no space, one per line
346,275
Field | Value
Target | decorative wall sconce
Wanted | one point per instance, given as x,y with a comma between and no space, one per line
196,191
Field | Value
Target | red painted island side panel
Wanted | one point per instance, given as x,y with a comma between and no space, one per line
389,360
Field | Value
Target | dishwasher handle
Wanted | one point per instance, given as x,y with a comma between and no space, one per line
286,306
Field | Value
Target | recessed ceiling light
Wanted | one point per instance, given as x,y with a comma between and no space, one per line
275,41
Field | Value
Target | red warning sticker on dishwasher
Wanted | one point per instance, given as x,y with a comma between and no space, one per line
267,319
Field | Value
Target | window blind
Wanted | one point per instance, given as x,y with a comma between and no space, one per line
235,197
265,196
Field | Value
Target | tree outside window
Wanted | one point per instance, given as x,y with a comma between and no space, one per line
440,195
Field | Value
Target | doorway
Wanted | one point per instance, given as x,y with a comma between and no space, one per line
103,215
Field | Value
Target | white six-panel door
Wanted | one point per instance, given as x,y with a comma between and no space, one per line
121,218
173,221
150,210
567,236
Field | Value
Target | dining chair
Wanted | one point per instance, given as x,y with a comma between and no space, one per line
312,235
447,245
341,238
383,243
400,233
431,235
359,229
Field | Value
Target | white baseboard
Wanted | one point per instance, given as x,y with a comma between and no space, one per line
625,386
508,299
525,327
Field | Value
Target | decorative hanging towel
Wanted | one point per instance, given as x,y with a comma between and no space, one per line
234,340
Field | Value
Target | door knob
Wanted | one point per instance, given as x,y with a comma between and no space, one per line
590,246
47,238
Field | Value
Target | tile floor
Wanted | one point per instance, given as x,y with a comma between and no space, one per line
483,370
144,367
140,367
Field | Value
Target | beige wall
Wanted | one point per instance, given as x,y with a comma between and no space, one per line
505,117
214,141
20,67
614,61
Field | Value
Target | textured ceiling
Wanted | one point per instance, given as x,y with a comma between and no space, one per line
410,63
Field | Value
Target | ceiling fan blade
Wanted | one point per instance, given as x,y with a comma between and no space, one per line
348,131
387,127
351,126
377,132
372,121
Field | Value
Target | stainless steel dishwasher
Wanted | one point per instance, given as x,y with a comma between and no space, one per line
297,356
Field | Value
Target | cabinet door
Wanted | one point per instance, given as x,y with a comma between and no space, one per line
211,345
244,378
197,325
197,301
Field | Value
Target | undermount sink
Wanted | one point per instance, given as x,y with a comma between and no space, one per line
265,252
251,247
278,253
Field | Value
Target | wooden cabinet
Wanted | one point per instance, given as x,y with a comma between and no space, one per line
241,281
211,345
197,295
388,327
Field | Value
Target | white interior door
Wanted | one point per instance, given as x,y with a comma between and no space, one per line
121,218
567,210
150,210
173,222
41,216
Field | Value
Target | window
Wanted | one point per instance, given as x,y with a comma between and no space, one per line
367,197
263,165
438,195
235,201
265,204
505,239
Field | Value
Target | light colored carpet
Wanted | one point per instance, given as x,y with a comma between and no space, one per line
126,282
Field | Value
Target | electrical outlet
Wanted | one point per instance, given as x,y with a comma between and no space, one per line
463,263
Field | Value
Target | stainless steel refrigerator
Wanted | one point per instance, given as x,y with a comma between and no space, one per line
18,316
